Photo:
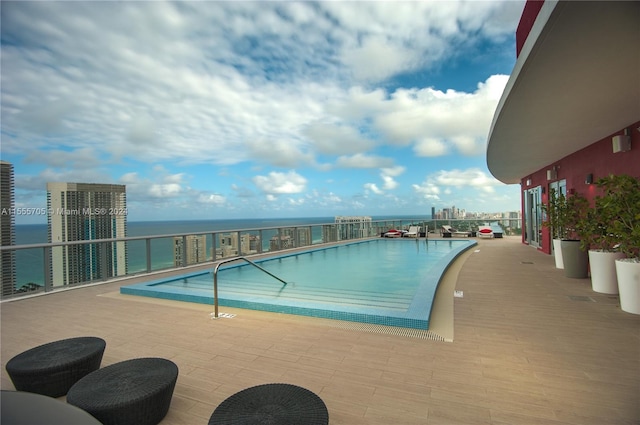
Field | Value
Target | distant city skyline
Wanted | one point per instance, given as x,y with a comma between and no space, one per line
218,110
38,215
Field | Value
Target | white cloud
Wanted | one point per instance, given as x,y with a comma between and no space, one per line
373,188
388,175
444,180
430,147
389,182
280,183
363,161
376,59
428,190
335,139
211,199
78,159
279,153
87,96
165,190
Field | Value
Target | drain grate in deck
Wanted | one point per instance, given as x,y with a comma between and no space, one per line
389,330
526,262
581,298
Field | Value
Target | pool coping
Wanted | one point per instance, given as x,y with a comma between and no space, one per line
416,316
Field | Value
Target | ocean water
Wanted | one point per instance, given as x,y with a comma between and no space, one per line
30,263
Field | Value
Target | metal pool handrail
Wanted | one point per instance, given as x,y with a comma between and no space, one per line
215,279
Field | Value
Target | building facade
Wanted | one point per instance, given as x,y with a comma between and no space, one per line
86,212
192,249
352,227
7,228
570,112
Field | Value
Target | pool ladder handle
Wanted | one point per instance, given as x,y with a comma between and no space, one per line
215,279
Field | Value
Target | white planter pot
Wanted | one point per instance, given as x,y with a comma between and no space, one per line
603,271
557,253
628,271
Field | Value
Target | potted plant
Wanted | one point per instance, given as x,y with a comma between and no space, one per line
574,258
602,245
622,200
556,211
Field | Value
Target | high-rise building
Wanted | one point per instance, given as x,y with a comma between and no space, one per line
230,247
86,212
281,242
7,230
299,236
190,250
353,227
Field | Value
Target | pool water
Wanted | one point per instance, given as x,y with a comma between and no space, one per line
381,281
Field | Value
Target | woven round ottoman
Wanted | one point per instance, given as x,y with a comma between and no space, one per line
132,392
51,369
274,404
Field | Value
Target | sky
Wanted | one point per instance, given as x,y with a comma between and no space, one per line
219,110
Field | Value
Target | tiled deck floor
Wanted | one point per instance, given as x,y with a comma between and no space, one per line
524,351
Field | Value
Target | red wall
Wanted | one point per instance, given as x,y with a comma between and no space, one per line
529,15
597,159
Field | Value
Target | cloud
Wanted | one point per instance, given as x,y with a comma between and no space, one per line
473,177
444,180
211,199
142,130
428,190
433,120
363,161
373,188
165,190
279,153
75,159
388,175
103,91
376,59
158,189
260,95
428,147
337,139
280,183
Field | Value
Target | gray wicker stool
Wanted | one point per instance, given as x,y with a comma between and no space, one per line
274,404
135,392
51,369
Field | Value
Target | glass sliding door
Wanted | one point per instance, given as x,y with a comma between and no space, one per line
533,215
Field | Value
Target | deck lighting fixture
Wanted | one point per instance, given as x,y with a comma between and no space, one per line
621,143
588,179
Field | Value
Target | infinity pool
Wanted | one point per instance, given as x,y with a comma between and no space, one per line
381,281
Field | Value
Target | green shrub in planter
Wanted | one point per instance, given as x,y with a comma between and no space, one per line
620,206
556,212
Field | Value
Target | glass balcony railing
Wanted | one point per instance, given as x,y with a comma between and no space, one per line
35,268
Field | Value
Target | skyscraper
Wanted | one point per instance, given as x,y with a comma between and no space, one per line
352,227
7,230
85,212
194,252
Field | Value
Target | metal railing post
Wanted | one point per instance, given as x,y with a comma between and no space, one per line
148,252
48,284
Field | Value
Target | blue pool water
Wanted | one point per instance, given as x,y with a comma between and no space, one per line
382,281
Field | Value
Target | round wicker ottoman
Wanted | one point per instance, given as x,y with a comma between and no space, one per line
275,404
51,369
135,392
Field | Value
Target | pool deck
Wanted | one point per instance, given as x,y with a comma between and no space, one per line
529,347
